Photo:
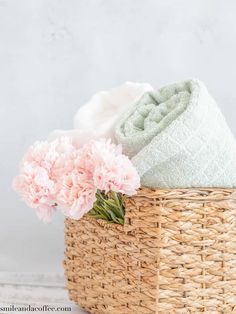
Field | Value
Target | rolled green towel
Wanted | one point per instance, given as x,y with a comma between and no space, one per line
177,137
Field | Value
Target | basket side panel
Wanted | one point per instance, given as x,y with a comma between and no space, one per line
71,255
198,256
114,269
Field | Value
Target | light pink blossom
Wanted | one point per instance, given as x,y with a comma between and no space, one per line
57,174
41,168
98,165
109,169
95,154
77,194
117,174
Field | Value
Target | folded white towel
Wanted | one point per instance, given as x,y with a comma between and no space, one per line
177,137
96,119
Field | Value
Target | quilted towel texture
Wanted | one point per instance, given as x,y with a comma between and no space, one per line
177,137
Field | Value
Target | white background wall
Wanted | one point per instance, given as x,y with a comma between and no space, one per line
54,54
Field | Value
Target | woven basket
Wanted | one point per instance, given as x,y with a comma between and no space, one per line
176,253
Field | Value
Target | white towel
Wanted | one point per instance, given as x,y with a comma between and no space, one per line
97,118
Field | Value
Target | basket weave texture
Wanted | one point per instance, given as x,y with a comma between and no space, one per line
176,253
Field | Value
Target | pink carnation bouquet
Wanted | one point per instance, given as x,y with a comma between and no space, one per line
94,179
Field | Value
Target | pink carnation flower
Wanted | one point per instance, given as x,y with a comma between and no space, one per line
95,153
98,165
41,168
118,175
57,174
109,169
77,194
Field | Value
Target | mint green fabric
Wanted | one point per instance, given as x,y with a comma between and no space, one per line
177,137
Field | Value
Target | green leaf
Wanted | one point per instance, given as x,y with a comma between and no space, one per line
109,206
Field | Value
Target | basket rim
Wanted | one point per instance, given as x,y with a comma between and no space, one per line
196,193
166,195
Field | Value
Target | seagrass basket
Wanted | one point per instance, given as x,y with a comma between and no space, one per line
176,253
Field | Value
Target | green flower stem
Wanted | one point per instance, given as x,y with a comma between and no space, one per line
109,207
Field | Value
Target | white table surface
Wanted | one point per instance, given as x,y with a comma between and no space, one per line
23,289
